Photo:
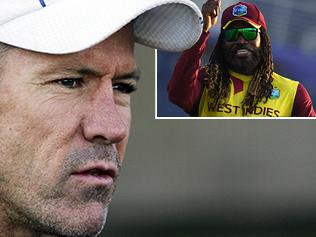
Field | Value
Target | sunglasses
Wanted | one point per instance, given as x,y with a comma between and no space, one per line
247,33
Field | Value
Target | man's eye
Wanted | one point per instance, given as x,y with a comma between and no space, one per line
70,83
124,87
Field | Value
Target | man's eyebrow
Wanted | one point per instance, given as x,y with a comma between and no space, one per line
91,72
88,72
81,71
131,75
85,71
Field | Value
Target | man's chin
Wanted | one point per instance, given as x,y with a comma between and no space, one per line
89,220
245,65
85,221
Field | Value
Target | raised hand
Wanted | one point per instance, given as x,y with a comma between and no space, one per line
210,11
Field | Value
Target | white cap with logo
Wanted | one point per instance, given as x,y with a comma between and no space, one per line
67,26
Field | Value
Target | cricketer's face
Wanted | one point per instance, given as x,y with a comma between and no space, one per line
64,126
242,56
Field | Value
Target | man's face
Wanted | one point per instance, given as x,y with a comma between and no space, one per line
242,56
64,126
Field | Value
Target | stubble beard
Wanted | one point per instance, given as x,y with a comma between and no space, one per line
44,212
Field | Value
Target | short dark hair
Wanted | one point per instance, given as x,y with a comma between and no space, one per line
4,48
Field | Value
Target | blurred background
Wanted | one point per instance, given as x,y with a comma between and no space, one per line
292,29
223,178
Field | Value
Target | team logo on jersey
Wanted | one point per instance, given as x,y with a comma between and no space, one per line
275,94
240,10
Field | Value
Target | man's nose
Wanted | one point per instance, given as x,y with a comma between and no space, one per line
103,119
241,40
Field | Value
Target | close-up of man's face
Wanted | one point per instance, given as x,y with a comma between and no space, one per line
242,55
64,127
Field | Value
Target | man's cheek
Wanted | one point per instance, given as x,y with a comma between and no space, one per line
21,142
126,119
16,159
121,149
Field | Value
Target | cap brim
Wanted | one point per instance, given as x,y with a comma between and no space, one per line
241,19
72,25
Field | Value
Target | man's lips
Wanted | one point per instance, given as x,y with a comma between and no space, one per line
100,173
241,53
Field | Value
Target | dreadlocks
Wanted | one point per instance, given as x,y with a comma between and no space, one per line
217,77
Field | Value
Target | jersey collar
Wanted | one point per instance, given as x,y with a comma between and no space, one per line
240,76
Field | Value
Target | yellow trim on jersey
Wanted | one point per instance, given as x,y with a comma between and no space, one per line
280,103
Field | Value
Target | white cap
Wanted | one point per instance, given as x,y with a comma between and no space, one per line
67,26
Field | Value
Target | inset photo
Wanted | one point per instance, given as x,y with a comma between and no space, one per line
253,59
